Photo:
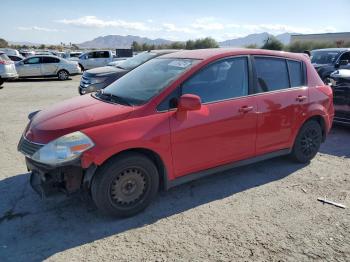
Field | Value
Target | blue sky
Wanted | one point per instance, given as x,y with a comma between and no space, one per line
76,21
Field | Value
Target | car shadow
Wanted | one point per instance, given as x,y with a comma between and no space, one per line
33,230
53,79
338,142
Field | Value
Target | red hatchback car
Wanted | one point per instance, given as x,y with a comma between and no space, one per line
177,118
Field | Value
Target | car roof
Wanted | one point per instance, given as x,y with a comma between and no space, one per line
43,56
165,51
333,49
204,54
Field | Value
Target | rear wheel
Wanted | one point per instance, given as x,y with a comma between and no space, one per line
1,82
125,185
63,75
308,142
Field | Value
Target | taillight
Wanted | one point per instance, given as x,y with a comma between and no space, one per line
4,62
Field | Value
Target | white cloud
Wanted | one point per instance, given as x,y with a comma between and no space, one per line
207,23
173,28
94,22
37,28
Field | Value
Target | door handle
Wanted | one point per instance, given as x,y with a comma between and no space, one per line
245,109
301,98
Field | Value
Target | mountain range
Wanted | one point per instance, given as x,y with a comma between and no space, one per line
118,41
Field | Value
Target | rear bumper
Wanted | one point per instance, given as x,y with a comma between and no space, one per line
8,75
49,180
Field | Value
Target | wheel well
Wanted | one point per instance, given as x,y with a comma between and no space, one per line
155,158
319,119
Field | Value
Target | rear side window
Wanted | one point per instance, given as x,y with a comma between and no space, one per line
296,73
222,80
105,54
272,74
48,60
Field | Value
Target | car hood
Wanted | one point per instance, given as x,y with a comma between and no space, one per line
105,71
73,115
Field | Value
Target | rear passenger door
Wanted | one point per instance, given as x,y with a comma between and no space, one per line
282,98
49,65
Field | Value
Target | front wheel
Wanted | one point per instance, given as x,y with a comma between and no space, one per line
308,142
125,185
62,75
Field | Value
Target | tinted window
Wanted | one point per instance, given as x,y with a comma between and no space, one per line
222,80
296,73
32,60
272,74
48,59
105,54
148,80
345,56
15,58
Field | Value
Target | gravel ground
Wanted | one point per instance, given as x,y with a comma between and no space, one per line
262,212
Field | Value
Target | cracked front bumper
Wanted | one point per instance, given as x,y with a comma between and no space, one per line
47,180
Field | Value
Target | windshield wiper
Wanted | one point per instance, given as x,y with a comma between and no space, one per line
113,98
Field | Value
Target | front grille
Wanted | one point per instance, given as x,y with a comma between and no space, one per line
28,148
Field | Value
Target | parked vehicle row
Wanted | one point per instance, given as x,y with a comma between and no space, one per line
99,78
176,118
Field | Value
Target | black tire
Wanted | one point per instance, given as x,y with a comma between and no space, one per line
1,82
125,185
307,142
63,75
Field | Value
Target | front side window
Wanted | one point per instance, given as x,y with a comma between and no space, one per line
272,74
146,81
221,80
33,60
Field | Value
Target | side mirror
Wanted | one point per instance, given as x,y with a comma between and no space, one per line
189,102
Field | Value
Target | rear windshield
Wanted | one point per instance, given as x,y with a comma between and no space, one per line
4,57
137,60
324,57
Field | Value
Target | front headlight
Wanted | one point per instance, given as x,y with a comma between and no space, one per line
63,149
97,80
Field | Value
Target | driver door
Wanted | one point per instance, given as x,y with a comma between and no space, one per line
30,67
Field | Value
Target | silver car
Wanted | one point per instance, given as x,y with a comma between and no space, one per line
47,66
7,68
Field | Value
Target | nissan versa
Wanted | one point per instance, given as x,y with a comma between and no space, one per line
176,118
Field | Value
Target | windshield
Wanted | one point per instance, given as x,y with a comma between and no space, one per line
324,57
137,60
146,81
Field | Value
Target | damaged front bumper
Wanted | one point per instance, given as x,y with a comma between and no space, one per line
48,180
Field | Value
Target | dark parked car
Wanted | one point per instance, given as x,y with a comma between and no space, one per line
326,61
99,78
341,93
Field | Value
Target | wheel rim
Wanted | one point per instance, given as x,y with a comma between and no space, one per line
62,75
309,142
128,187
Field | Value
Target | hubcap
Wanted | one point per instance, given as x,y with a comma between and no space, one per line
63,75
309,142
128,186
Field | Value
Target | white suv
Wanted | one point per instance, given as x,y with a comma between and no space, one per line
7,68
94,59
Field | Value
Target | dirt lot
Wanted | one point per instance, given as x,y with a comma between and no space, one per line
262,212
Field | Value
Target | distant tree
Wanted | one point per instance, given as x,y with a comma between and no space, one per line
190,45
136,46
145,47
252,46
177,45
272,43
301,46
42,46
3,43
207,42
